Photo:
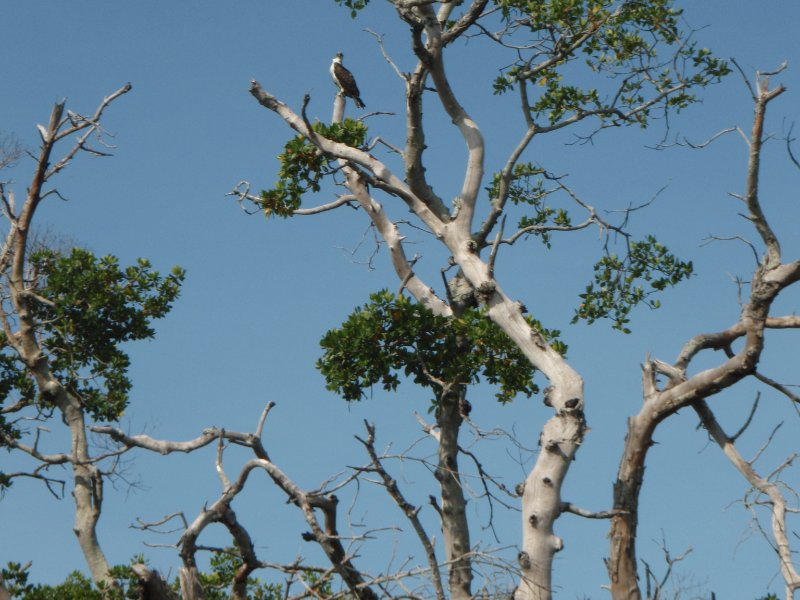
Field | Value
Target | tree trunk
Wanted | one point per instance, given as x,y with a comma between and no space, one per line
151,585
4,595
190,584
541,506
87,493
455,529
622,569
561,436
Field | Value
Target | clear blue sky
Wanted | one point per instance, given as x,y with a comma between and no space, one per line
260,294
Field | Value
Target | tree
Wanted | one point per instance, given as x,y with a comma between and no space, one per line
471,329
627,42
65,315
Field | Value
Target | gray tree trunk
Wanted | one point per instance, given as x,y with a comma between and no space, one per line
455,529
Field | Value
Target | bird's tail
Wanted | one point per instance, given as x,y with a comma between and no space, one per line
359,103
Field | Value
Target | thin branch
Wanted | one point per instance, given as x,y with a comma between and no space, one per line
51,483
81,123
749,419
778,386
411,512
160,446
766,445
776,501
757,216
568,507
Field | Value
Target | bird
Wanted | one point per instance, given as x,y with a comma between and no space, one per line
345,81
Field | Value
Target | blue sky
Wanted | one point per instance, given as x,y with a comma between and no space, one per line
260,294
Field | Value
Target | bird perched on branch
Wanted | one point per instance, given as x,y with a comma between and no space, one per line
345,81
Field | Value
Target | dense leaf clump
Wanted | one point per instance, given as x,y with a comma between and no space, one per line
91,306
392,336
216,582
85,309
303,166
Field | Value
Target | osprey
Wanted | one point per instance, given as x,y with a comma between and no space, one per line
345,81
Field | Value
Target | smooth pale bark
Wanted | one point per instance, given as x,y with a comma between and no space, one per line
563,433
190,584
560,437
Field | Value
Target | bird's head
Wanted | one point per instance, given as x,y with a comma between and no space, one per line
338,57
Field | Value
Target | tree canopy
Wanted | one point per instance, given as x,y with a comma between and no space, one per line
507,448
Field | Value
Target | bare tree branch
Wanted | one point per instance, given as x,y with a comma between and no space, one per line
769,490
411,512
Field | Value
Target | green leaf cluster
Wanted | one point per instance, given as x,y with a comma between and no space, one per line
14,383
622,39
91,307
76,585
353,5
392,336
303,166
527,188
621,284
216,583
86,308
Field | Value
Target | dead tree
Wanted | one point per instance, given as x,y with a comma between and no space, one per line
771,276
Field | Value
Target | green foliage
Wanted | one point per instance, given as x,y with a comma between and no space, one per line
527,188
13,381
76,586
217,583
353,5
15,577
619,284
303,166
619,38
87,308
322,588
769,597
391,335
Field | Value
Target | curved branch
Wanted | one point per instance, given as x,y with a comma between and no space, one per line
473,13
415,143
433,59
344,152
161,446
50,459
423,293
506,177
773,258
411,512
766,487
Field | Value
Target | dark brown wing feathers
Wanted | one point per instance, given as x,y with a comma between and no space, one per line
348,84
